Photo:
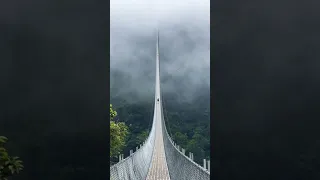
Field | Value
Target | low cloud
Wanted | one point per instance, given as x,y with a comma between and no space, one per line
184,46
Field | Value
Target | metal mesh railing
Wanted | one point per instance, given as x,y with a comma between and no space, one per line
182,167
135,166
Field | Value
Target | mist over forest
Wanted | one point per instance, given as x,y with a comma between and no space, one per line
184,47
184,68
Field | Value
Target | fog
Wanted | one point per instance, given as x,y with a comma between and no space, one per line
184,47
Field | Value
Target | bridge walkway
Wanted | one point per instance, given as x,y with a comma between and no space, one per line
158,168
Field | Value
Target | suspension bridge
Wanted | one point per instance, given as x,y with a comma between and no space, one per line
159,157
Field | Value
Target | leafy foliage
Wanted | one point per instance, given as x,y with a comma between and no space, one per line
8,165
138,117
113,113
181,138
118,134
142,137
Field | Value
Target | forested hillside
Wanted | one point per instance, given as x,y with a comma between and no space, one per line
187,122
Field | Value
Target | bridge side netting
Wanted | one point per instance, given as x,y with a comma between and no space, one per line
135,166
180,166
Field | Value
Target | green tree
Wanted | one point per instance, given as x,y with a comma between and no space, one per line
180,138
118,133
8,165
196,145
113,113
142,137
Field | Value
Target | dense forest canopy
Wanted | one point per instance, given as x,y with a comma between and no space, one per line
187,123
